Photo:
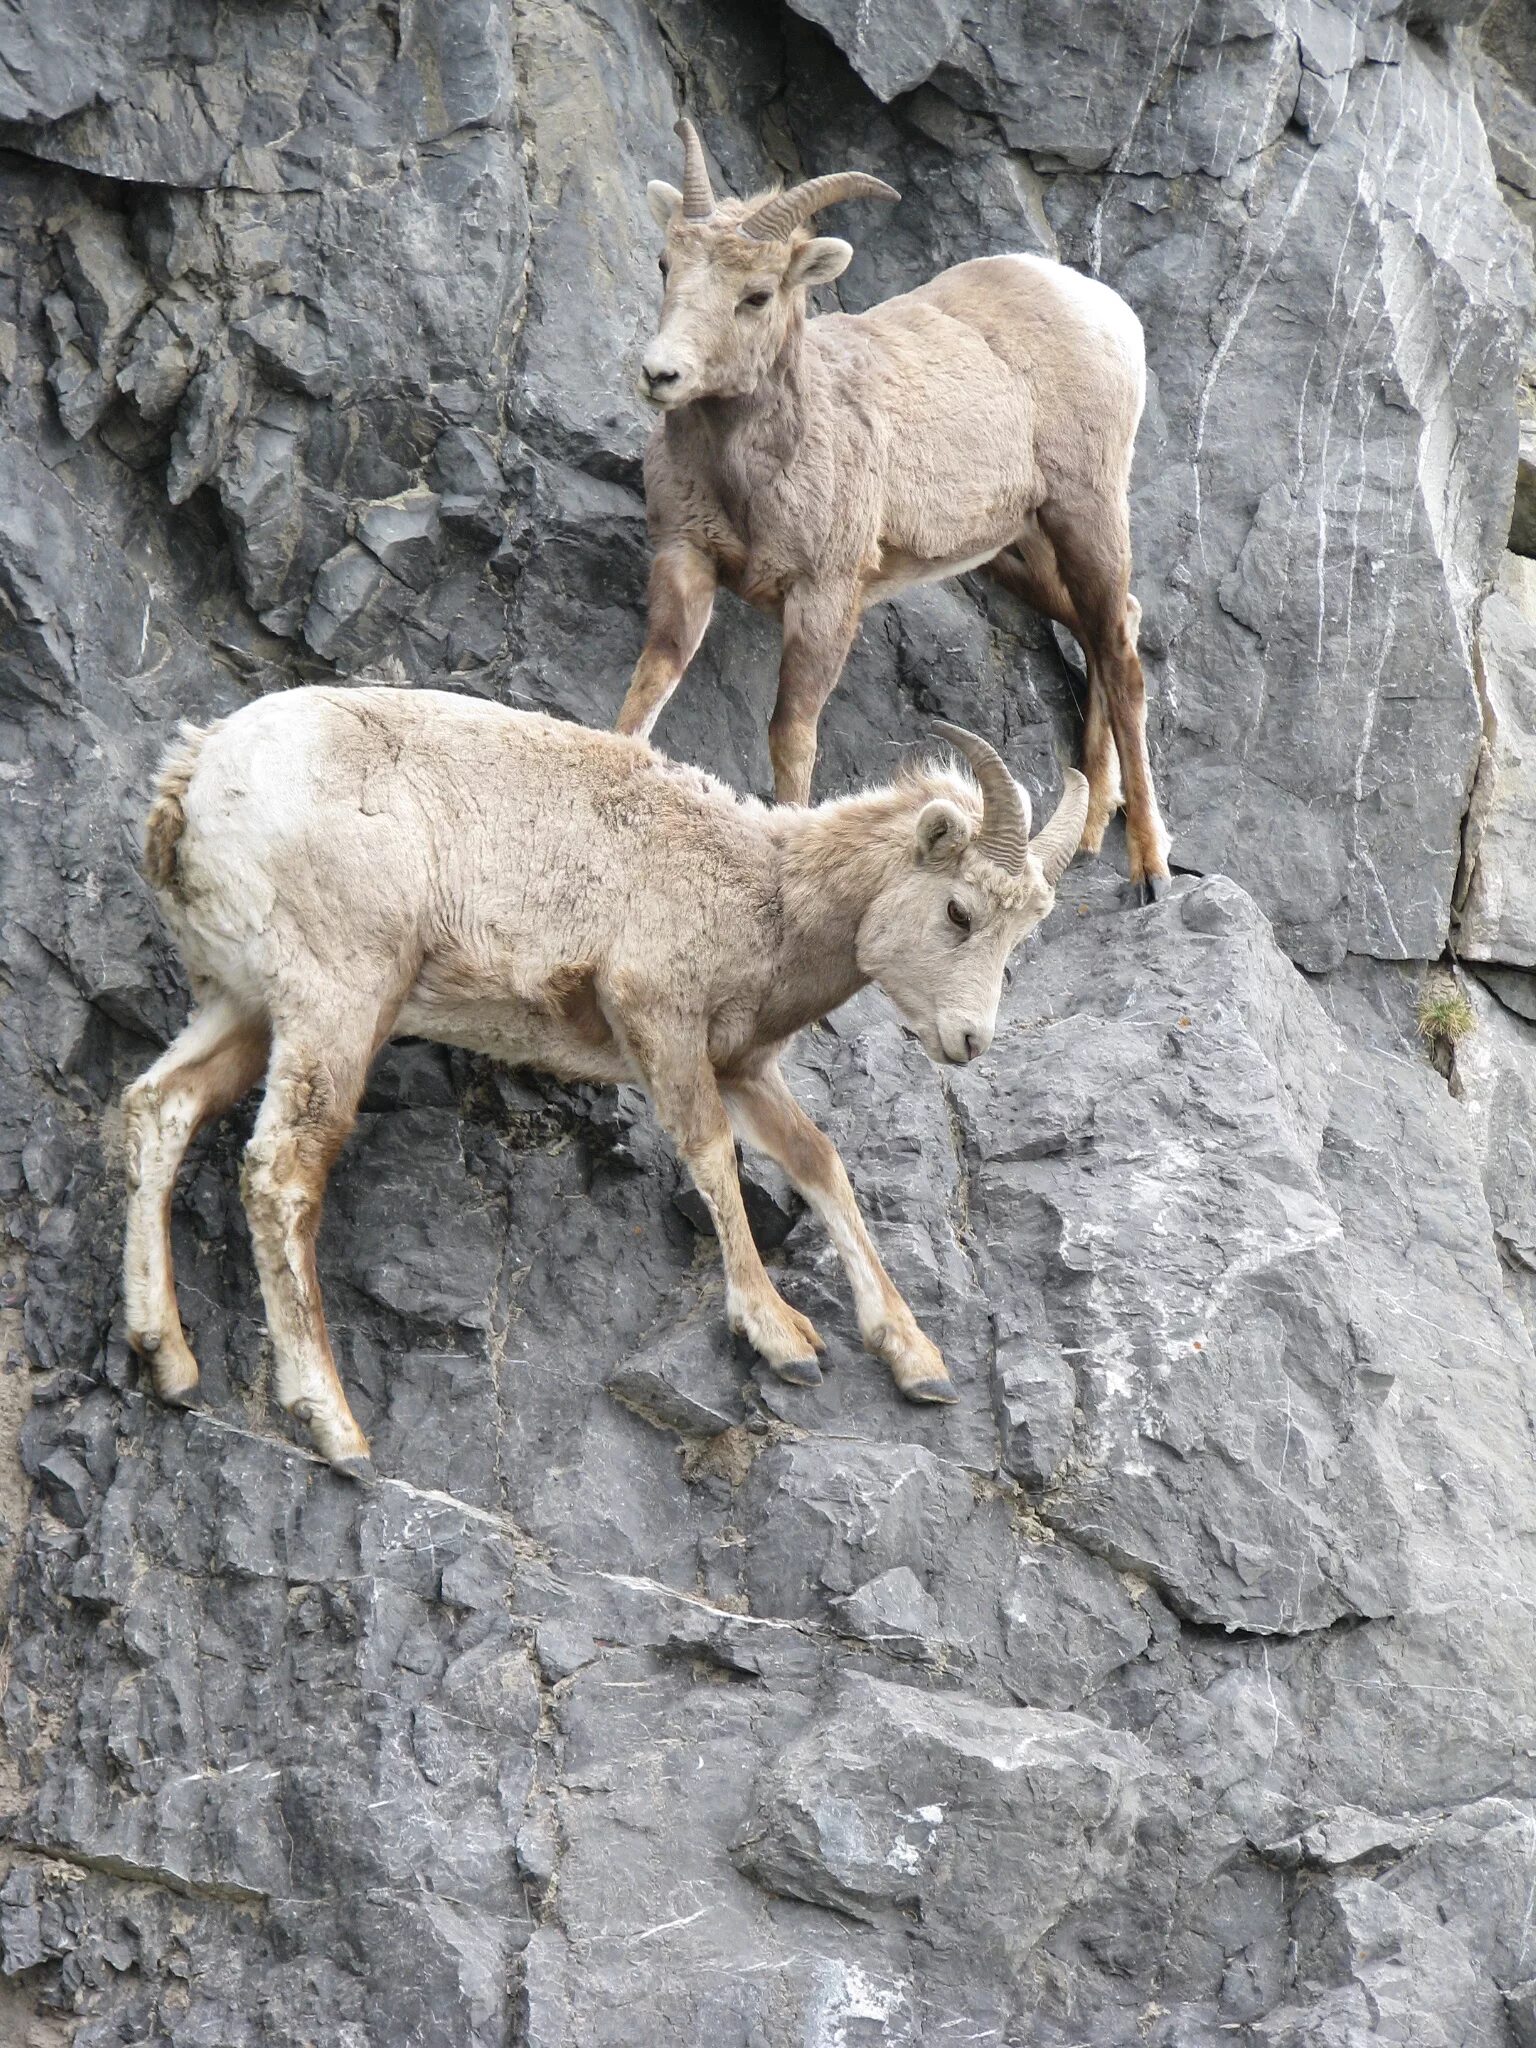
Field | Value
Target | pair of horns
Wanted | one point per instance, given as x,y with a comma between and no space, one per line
1004,836
774,219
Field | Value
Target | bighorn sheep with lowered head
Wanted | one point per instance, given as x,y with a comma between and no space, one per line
817,466
339,865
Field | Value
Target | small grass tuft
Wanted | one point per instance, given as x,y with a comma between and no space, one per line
1445,1015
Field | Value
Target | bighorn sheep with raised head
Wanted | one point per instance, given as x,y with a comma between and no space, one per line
339,865
817,466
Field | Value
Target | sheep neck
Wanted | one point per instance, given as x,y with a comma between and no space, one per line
835,859
759,431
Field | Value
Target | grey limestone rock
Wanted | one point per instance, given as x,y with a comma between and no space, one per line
1175,1685
1497,914
1495,1076
988,1821
1515,987
893,1610
1037,1396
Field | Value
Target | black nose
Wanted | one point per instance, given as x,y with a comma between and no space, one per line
657,380
972,1045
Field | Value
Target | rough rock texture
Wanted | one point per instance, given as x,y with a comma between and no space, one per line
1497,914
1506,99
1177,1685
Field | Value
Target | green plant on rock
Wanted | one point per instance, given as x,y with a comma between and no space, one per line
1445,1015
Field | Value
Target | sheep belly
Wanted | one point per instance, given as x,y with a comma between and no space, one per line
551,1032
898,570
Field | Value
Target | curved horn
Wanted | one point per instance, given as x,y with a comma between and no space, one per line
775,219
698,196
1004,835
1061,835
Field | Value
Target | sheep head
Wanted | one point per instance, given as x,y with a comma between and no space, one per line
736,275
938,937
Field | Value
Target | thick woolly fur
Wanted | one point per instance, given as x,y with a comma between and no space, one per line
816,466
339,865
163,826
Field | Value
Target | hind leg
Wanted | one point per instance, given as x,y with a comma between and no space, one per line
1029,568
1092,542
1101,765
216,1060
314,1083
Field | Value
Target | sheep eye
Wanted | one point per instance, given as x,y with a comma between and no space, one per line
757,299
959,916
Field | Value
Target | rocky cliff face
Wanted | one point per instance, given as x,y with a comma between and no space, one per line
1180,1684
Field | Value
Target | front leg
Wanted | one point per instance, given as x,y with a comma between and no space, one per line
768,1116
819,624
681,1083
678,604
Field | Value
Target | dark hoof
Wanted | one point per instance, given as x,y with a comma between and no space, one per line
360,1469
800,1372
1150,889
183,1398
936,1391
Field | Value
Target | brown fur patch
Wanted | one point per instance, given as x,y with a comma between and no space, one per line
162,830
167,818
570,993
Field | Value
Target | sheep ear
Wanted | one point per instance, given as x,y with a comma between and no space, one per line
663,200
943,832
820,261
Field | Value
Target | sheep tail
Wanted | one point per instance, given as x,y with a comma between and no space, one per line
167,818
